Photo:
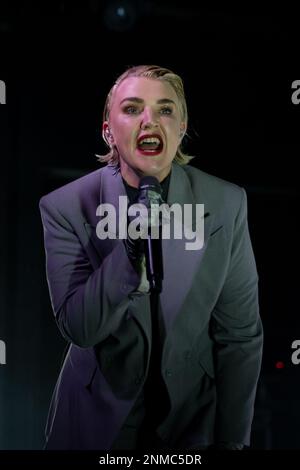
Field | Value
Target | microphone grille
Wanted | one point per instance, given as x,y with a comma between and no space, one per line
150,182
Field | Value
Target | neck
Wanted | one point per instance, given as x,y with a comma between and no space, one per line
133,176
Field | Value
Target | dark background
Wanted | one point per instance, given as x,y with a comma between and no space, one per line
59,60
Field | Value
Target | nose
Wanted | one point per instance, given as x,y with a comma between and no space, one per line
148,119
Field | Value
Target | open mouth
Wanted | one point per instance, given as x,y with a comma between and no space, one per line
150,144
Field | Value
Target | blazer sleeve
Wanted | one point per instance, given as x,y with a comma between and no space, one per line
88,304
238,335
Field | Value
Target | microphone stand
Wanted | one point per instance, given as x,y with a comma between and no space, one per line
154,266
154,394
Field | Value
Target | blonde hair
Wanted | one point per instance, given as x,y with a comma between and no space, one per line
158,73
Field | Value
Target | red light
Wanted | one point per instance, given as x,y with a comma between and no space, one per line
279,365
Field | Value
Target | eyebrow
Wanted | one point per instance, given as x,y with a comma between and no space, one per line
135,99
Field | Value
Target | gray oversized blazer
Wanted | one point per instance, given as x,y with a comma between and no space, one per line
212,352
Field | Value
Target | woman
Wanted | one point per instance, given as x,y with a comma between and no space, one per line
200,390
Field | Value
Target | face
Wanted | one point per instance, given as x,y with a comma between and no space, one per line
145,124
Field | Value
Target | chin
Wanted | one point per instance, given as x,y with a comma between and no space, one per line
157,172
155,169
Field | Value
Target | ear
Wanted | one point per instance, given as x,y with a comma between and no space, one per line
182,130
106,133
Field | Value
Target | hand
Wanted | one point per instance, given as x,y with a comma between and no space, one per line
134,246
146,218
134,249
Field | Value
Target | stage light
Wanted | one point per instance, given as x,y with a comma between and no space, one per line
120,15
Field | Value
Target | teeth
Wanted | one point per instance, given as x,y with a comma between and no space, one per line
150,140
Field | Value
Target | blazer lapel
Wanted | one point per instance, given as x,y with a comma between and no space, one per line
111,188
180,264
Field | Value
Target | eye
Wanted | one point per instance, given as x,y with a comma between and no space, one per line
131,110
166,110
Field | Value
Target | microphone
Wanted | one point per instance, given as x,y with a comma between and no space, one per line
149,194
